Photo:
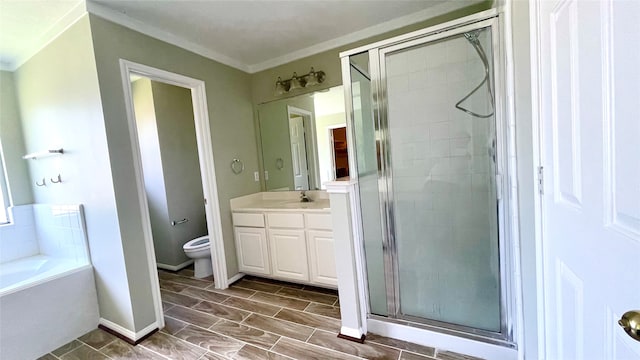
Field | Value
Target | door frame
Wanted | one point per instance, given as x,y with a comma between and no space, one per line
538,156
207,171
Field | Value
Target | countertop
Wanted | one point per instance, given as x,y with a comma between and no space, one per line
320,205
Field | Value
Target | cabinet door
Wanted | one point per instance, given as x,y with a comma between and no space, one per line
251,247
289,254
322,260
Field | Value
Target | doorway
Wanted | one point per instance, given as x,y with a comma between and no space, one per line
205,161
171,170
339,153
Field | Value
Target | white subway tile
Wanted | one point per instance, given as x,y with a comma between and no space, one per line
440,148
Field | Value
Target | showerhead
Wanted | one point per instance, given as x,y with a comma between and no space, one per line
472,36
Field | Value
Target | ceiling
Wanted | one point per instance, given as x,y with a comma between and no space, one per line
250,35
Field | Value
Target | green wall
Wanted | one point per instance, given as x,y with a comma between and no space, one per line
60,105
230,113
12,141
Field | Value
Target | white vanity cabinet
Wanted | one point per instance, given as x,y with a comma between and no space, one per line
294,246
251,243
322,260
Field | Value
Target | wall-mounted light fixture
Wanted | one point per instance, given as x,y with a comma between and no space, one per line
312,78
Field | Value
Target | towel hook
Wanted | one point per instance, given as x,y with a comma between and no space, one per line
44,182
56,180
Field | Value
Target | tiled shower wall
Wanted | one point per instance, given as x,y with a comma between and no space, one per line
40,229
443,189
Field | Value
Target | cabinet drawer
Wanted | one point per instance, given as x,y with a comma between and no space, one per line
291,221
248,219
318,221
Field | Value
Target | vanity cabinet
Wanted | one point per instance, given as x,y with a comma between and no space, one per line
251,243
291,246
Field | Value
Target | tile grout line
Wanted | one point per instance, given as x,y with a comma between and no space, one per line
255,292
277,292
314,331
198,346
276,343
63,354
310,313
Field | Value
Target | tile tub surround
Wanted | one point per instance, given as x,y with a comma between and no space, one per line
43,229
250,320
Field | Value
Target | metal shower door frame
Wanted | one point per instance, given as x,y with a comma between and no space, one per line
385,183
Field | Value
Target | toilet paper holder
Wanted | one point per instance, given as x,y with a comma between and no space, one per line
178,222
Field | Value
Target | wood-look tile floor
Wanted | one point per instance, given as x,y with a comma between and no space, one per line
254,319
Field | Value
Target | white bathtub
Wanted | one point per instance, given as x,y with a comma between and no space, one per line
48,297
45,304
33,270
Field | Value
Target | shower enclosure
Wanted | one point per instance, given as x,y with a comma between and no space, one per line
429,154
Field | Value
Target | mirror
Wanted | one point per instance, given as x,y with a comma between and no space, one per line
304,140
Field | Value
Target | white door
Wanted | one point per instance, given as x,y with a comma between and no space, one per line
289,254
322,258
298,153
589,79
252,251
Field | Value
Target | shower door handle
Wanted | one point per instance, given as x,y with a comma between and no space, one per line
492,151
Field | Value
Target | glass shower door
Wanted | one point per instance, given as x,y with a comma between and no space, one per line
440,180
367,152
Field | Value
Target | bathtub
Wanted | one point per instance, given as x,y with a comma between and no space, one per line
33,270
49,297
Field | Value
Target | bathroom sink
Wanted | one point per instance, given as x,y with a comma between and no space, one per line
305,205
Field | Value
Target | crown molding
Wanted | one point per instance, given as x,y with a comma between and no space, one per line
157,33
60,26
365,33
154,32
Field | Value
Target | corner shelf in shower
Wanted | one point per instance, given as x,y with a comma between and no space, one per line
43,154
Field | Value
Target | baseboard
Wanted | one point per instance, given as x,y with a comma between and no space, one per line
235,278
133,338
359,340
174,267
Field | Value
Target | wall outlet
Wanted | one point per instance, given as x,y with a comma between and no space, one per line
266,175
256,176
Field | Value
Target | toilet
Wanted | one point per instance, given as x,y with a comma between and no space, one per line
198,250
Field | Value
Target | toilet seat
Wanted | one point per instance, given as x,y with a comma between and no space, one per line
197,244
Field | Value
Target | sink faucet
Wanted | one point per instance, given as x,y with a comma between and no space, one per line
304,197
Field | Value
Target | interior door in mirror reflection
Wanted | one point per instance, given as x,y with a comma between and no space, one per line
298,153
